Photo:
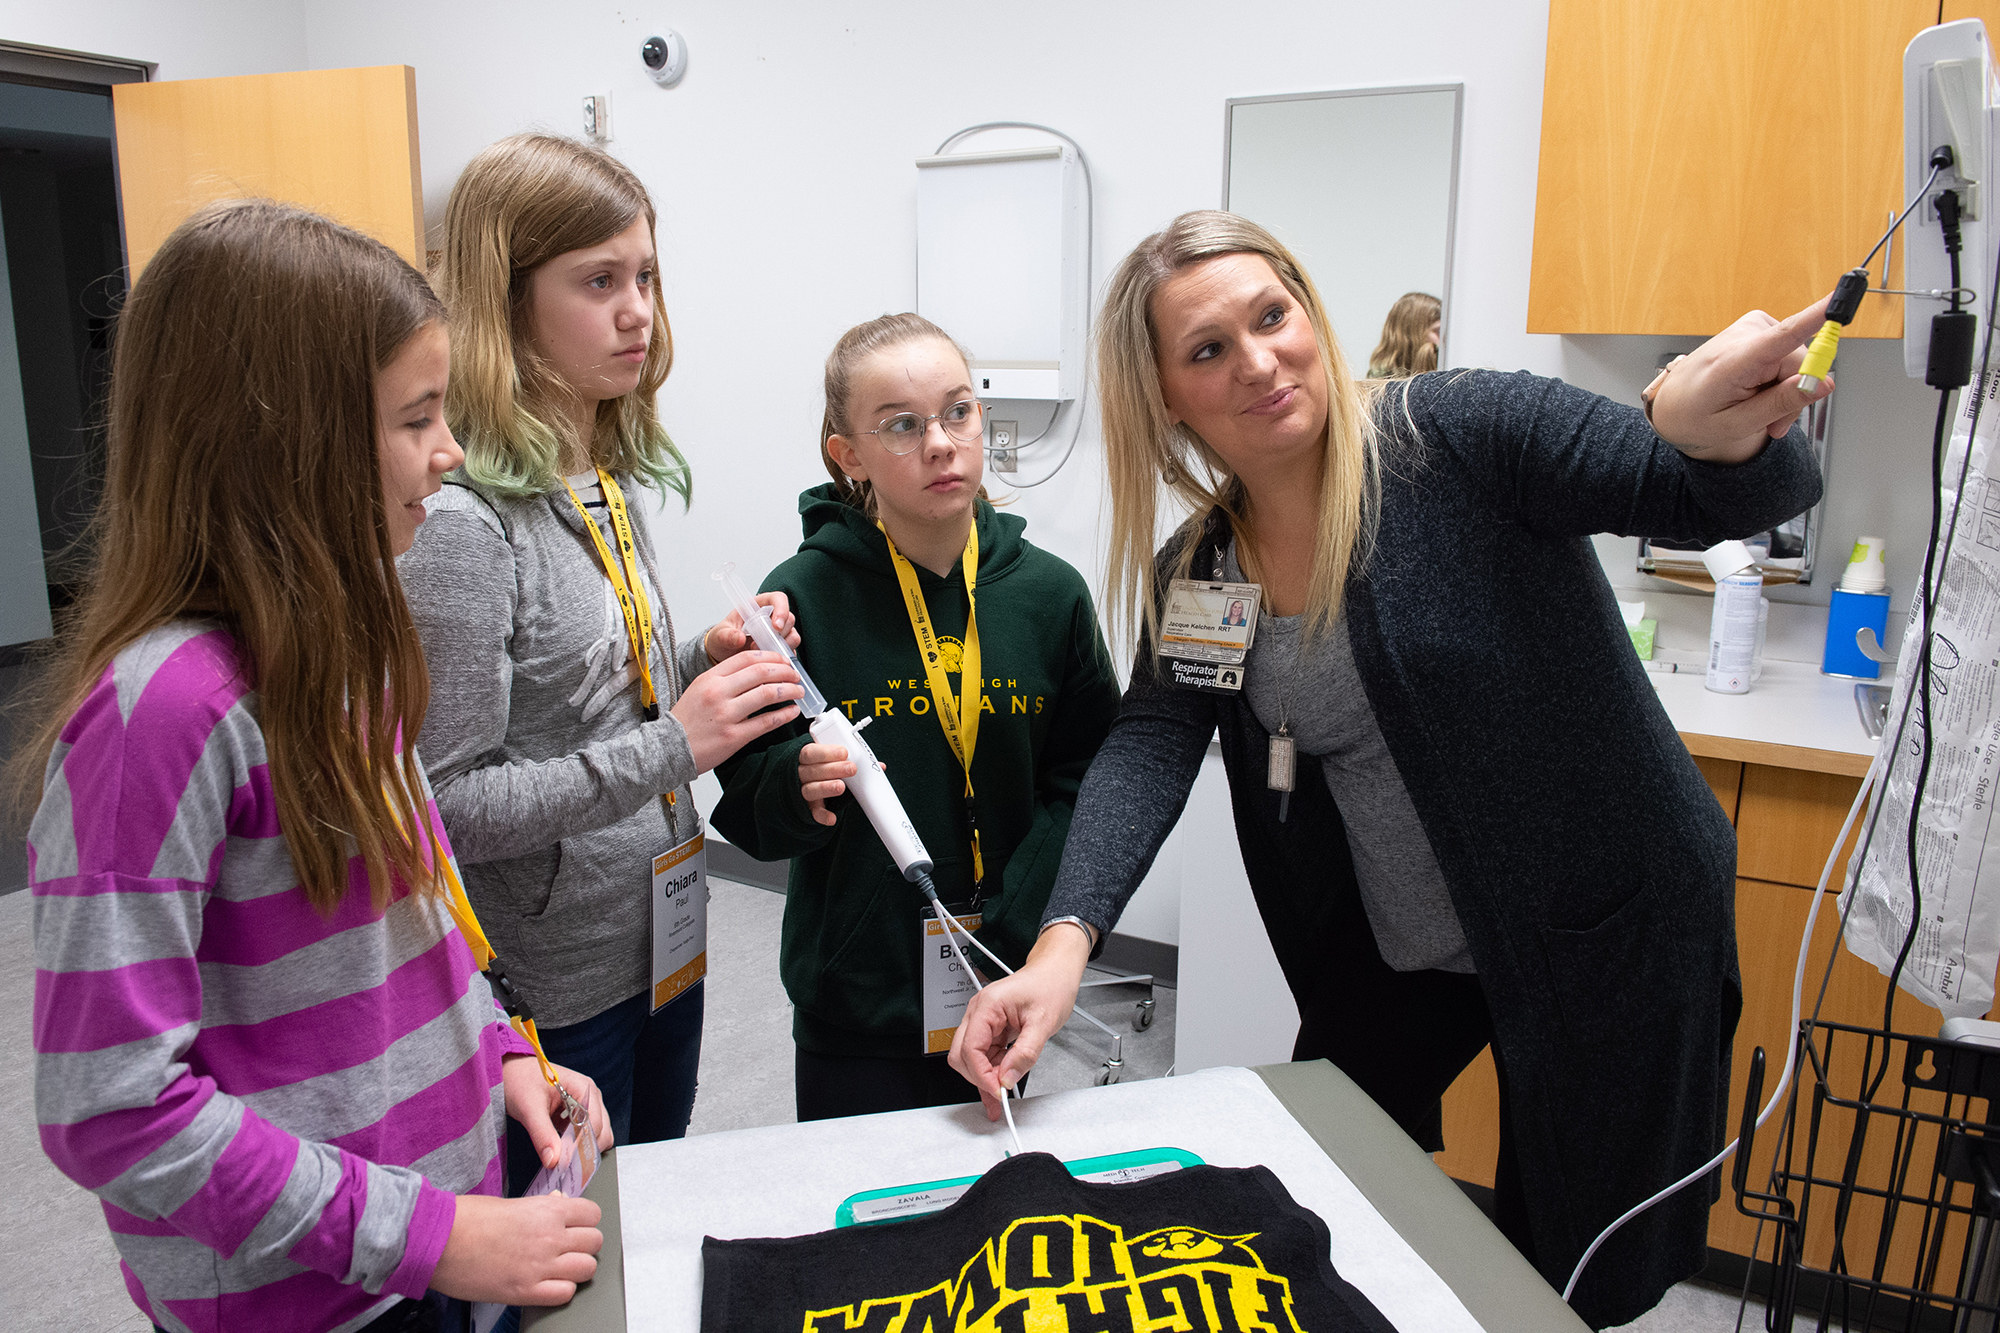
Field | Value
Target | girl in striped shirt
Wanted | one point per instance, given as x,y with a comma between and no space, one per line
258,1037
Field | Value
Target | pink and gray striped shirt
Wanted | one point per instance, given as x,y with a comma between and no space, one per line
276,1107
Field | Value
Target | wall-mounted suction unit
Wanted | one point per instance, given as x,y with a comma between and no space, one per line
1002,266
1949,101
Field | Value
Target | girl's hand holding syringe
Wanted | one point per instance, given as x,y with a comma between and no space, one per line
726,638
726,707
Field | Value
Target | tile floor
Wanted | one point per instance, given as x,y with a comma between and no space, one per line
62,1274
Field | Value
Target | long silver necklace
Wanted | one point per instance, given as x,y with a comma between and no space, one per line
1281,770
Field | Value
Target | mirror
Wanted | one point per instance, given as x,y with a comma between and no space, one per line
1362,185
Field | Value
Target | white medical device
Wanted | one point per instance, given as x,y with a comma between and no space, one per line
830,726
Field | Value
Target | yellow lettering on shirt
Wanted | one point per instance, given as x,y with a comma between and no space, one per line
885,707
1054,1274
1020,702
920,705
848,704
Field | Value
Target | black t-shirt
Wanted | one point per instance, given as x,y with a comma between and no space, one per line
1202,1250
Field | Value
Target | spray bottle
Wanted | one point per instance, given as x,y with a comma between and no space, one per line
1735,630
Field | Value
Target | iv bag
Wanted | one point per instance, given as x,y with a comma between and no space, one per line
1957,944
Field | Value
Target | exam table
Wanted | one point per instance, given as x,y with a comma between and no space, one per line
1496,1286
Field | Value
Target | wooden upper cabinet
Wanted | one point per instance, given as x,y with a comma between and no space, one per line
1709,157
342,142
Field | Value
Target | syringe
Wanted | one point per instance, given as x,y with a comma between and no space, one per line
830,726
757,624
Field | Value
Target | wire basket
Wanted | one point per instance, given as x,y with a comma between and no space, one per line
1884,1191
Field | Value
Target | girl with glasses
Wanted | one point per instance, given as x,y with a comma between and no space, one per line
569,718
977,662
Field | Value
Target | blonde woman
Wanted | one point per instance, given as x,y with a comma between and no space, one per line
1495,834
560,735
1410,338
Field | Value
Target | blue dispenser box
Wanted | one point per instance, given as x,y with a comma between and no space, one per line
1852,611
1860,602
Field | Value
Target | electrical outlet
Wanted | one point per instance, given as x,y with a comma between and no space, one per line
597,117
1006,451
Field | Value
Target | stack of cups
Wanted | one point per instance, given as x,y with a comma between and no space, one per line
1860,602
1736,629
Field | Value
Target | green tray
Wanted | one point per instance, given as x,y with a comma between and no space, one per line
899,1202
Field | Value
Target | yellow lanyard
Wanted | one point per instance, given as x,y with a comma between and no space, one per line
960,720
627,584
460,907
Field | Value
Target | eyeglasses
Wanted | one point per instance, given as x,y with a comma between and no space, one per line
962,421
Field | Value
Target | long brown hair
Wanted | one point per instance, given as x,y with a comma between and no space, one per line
1143,448
518,204
855,346
1406,347
243,485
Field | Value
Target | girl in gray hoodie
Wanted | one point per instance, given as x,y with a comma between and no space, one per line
567,718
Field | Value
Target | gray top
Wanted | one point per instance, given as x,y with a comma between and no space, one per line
547,776
1323,706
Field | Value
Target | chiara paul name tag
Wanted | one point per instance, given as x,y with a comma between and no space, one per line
1206,630
947,986
680,920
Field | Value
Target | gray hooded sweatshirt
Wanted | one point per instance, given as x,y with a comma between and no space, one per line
548,777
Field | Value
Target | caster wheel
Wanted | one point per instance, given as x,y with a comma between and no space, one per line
1108,1075
1142,1016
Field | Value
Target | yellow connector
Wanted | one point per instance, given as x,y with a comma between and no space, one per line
1819,356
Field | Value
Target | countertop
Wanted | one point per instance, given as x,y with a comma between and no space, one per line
1793,717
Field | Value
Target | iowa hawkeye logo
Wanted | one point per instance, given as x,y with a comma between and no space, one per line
1079,1275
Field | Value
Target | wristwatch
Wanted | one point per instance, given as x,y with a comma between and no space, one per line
1652,391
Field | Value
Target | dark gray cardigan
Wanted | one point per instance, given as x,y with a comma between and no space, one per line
1592,869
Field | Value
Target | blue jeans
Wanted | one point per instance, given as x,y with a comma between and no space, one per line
645,1066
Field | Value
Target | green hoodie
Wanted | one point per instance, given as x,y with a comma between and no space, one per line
849,956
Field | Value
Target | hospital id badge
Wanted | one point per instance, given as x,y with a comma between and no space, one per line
680,920
1206,630
947,986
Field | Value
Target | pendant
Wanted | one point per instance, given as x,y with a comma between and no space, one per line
1281,768
1283,761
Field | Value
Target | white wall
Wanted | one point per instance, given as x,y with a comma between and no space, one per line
187,39
783,166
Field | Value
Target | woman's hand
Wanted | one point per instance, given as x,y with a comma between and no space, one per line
1007,1024
726,638
533,1101
821,768
722,708
1740,388
519,1251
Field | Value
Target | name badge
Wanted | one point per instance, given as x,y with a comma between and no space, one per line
947,986
1206,630
680,920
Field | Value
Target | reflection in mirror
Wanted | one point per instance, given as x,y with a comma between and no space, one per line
1361,185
